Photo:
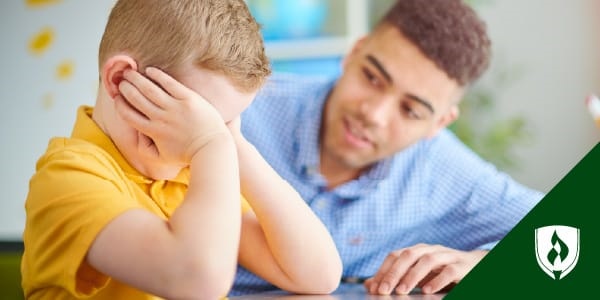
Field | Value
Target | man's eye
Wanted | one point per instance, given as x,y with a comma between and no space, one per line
371,77
410,113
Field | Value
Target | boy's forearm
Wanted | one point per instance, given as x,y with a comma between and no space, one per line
287,222
207,224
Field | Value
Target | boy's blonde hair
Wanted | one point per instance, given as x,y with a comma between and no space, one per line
218,35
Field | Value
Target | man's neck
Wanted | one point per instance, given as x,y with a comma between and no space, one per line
336,173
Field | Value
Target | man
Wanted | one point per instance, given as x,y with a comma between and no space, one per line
407,203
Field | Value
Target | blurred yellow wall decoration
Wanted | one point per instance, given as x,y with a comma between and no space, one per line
38,3
41,41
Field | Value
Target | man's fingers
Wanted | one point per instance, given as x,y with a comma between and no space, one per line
432,267
449,274
426,264
370,285
395,267
392,277
385,266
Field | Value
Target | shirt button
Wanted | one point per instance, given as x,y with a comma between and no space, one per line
312,170
321,204
356,240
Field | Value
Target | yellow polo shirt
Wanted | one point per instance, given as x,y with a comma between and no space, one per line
81,184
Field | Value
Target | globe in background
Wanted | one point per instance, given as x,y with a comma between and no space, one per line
285,19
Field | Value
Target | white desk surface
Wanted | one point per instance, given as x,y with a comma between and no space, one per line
344,292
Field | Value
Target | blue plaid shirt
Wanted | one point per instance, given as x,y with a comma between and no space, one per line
435,192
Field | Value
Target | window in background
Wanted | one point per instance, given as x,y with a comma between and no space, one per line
311,36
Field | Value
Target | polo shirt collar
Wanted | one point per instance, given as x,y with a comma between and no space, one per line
86,129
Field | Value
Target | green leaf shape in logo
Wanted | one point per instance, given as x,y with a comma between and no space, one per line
564,250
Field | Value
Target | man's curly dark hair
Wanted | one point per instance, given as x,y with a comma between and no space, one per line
448,32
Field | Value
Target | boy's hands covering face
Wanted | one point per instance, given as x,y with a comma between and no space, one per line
173,121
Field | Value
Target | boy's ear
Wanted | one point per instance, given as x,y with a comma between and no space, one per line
112,72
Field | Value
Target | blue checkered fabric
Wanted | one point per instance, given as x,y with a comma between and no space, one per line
435,192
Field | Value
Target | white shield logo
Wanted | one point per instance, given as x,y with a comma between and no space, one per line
557,249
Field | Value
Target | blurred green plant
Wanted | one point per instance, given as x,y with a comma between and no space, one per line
480,127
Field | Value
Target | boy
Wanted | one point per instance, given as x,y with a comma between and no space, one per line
128,208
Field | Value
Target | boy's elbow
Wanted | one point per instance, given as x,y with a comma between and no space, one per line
326,286
320,287
331,278
216,288
203,280
326,282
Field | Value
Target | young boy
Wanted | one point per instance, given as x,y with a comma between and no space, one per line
146,201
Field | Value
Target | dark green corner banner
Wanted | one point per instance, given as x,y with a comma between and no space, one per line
554,252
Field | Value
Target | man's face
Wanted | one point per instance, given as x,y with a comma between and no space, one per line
213,87
389,97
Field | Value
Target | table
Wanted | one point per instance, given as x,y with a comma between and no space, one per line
346,291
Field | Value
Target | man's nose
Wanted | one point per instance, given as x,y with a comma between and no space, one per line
376,111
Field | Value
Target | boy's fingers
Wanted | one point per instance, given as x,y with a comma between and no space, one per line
147,145
168,83
132,116
152,93
138,101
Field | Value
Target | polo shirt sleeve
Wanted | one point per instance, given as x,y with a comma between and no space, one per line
74,194
245,205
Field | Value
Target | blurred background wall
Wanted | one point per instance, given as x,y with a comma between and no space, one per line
546,60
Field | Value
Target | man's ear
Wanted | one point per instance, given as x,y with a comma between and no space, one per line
112,72
450,116
355,48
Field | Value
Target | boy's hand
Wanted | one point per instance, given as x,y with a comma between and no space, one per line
174,121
